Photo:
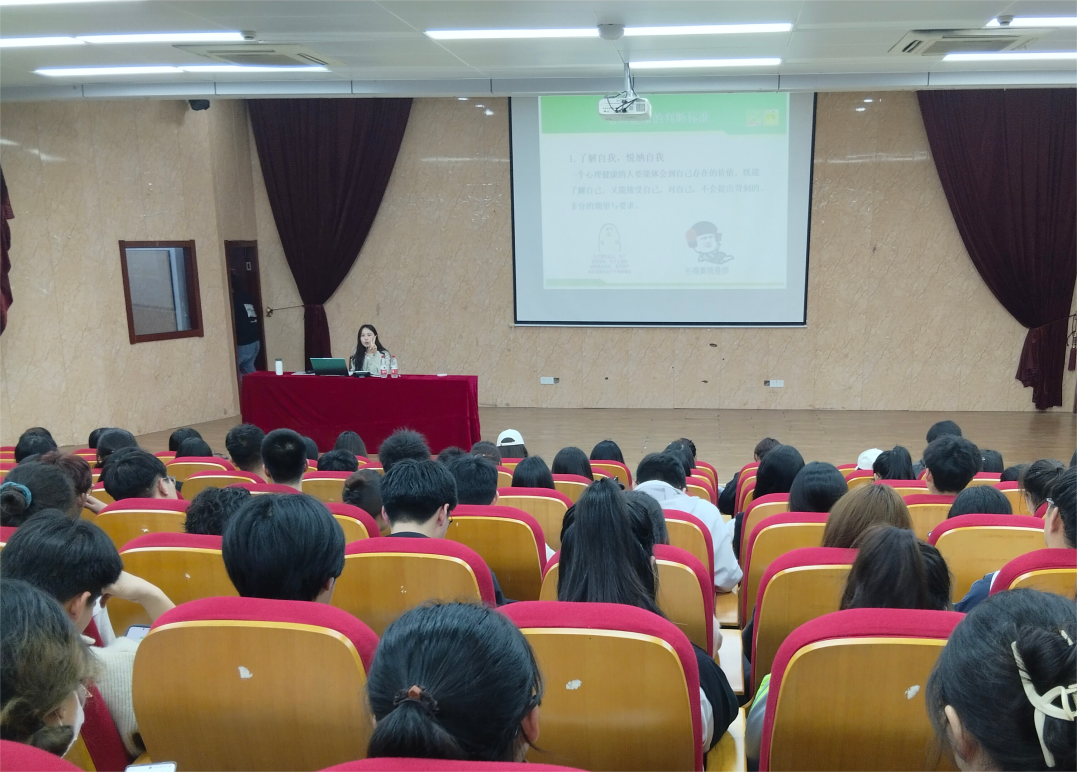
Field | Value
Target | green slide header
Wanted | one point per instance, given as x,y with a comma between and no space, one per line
741,114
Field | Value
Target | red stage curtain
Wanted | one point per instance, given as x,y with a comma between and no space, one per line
326,164
1006,160
6,214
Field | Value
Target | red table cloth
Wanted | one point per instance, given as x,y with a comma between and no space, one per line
444,408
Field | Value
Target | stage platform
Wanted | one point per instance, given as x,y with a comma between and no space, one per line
725,438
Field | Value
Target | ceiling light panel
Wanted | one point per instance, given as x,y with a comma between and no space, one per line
35,42
710,29
1023,56
706,63
510,34
79,72
165,37
1037,21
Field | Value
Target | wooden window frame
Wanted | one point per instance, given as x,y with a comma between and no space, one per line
194,293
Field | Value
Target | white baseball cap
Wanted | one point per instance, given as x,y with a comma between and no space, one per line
510,437
867,458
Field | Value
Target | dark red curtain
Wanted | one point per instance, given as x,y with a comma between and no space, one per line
1008,164
326,164
6,213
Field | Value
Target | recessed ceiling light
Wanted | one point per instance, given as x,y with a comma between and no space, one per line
462,99
1022,56
1037,21
510,34
693,63
861,109
166,37
869,100
74,72
253,68
709,29
29,42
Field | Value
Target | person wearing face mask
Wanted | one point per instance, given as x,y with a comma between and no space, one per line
43,666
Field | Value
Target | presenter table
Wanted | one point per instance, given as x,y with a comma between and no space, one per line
444,408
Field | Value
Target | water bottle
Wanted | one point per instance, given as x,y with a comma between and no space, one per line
384,367
279,366
393,370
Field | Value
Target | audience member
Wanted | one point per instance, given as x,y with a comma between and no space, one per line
476,480
991,461
510,444
895,464
816,487
679,451
862,508
418,498
284,458
1059,531
690,447
450,453
244,445
211,509
33,443
661,476
112,440
95,434
938,429
194,447
951,463
607,450
572,461
980,500
775,474
133,473
484,707
604,559
1012,473
532,472
1001,695
400,445
284,547
363,490
76,563
78,472
1036,481
33,487
43,668
894,569
351,442
311,448
177,437
728,494
487,450
640,503
338,461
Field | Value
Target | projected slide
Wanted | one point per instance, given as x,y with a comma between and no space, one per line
698,216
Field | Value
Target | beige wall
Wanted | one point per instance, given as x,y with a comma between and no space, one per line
83,176
898,318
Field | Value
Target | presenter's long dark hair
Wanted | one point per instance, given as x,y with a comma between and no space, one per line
360,349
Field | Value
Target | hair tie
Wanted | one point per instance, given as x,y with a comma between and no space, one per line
419,696
1066,636
21,489
1043,704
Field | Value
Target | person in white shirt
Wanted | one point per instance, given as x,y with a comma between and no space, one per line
661,476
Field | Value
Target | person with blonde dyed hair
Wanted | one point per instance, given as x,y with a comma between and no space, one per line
860,509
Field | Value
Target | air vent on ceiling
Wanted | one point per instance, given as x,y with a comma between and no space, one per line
261,54
939,42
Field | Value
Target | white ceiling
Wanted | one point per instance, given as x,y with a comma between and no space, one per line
375,42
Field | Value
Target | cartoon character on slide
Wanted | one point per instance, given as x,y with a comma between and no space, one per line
705,239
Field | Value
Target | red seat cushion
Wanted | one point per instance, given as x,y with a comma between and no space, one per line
509,513
268,610
156,505
577,478
616,616
6,532
102,738
851,623
356,513
432,547
766,522
1011,485
706,582
1033,561
549,493
443,765
231,472
16,757
192,540
973,521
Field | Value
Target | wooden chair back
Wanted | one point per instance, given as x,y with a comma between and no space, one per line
1047,570
504,479
748,472
614,469
984,478
757,512
975,545
858,478
183,468
707,473
127,520
509,540
774,537
98,492
690,534
546,506
572,485
927,511
327,487
1016,496
747,496
198,482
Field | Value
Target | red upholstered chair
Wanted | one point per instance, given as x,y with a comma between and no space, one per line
16,757
442,765
638,672
756,512
686,594
545,505
185,566
258,489
572,485
707,473
847,469
164,455
984,478
130,518
713,471
613,469
689,533
976,545
385,577
6,532
1013,492
327,487
182,468
905,487
847,692
509,540
283,688
1047,570
861,477
797,587
344,512
747,493
773,537
927,511
199,481
98,492
703,489
99,745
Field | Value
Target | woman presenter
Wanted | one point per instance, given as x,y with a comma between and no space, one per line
368,351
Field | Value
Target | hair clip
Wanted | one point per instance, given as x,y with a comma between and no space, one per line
1043,704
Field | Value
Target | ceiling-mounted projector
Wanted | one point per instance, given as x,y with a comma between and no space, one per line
626,106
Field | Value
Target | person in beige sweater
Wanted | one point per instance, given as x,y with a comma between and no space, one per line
75,562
